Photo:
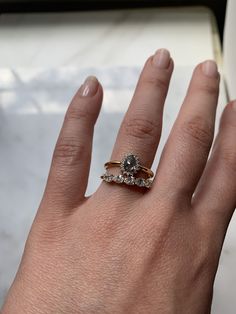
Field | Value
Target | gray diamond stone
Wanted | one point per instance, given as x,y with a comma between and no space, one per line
130,163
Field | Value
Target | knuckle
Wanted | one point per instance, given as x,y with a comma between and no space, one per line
156,82
211,89
75,112
141,128
228,157
69,151
199,130
227,120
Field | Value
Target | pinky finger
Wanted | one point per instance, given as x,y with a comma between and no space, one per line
215,195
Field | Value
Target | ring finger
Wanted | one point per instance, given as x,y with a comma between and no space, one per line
140,130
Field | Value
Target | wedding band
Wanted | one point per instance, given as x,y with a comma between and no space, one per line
129,166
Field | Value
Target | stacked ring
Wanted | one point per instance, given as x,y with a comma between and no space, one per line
130,165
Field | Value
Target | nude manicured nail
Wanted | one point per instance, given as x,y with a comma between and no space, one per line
162,58
90,86
209,68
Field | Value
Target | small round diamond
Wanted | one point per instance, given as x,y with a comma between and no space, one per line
107,177
118,179
140,182
129,180
148,183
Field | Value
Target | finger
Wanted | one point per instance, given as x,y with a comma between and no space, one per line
186,151
140,130
215,195
68,176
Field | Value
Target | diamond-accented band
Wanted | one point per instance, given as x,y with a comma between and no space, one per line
129,180
129,166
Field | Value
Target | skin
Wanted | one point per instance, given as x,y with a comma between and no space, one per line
126,249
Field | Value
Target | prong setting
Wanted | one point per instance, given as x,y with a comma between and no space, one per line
130,164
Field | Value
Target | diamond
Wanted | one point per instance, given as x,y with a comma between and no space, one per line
148,183
107,177
129,180
130,164
140,182
118,179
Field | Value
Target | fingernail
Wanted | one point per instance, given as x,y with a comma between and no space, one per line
162,58
90,86
209,68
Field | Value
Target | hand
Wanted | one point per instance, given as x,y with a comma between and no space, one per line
125,249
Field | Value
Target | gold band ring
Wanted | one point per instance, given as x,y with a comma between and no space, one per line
129,166
116,163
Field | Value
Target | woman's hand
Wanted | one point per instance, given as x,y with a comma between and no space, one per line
125,249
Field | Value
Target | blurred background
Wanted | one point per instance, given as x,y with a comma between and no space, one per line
47,48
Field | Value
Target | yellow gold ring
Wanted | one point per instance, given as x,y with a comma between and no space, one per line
116,163
130,165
